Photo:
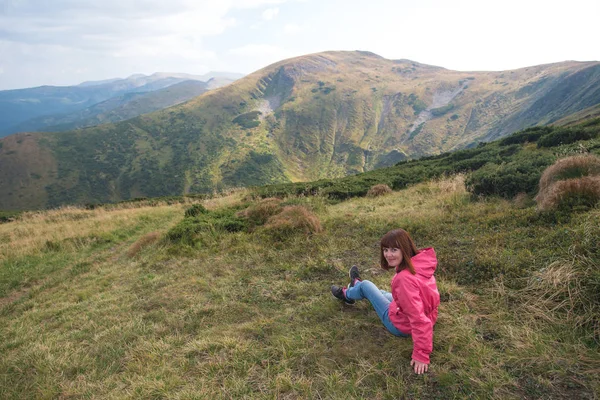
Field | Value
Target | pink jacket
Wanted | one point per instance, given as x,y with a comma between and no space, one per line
416,300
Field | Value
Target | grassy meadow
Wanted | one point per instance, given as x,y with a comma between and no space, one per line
101,304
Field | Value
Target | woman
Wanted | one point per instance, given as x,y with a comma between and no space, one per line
411,308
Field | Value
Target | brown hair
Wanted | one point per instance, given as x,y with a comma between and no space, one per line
399,239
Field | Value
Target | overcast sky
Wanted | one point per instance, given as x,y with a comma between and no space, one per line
65,42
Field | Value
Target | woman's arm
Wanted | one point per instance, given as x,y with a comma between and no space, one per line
408,299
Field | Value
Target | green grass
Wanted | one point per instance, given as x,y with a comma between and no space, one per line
249,315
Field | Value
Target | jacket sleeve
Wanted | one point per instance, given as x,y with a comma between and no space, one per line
408,299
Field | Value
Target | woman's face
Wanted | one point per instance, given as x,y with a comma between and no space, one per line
393,256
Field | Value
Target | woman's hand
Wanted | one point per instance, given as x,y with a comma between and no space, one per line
419,366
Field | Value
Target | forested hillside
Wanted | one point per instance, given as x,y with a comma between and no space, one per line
324,115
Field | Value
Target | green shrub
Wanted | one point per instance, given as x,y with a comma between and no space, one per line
503,180
529,135
417,104
223,220
195,210
565,136
8,216
508,179
248,120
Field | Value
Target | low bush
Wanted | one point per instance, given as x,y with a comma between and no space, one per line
379,190
501,180
529,135
195,210
248,120
293,219
570,168
570,183
565,136
259,213
8,216
223,220
570,194
142,242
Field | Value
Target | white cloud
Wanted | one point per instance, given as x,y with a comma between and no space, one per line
111,27
256,50
292,29
103,39
255,3
270,13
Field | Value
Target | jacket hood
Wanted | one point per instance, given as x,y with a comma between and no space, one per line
425,262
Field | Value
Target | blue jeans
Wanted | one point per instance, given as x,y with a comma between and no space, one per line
380,299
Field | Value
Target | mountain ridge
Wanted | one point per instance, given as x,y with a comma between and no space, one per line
317,116
19,108
118,108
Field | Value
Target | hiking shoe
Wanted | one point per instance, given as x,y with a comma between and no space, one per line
338,293
354,275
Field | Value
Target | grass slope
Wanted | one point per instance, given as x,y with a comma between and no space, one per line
92,307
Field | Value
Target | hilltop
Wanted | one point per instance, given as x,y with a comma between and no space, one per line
323,115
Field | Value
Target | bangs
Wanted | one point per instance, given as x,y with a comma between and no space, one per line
391,240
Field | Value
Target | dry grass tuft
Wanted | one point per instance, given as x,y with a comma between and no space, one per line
563,292
294,219
142,242
451,184
568,290
570,168
379,190
522,200
583,191
260,212
569,182
453,193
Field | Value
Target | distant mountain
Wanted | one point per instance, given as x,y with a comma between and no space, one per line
312,117
95,83
118,108
22,108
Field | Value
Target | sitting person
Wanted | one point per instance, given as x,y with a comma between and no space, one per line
411,308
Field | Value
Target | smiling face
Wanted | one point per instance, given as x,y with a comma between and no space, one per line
397,248
393,256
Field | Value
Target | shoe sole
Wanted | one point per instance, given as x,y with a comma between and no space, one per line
350,276
345,302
